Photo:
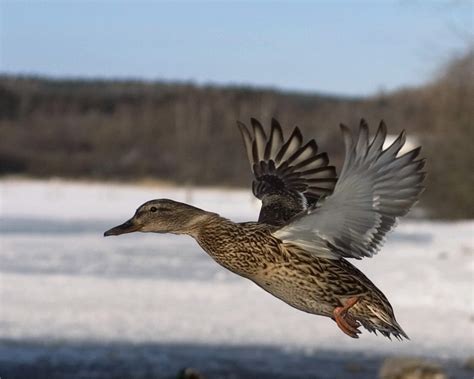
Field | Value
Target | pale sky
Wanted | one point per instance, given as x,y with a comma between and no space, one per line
337,47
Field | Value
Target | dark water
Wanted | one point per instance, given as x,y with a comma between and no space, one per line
61,360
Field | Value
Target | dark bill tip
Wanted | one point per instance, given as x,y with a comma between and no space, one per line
127,227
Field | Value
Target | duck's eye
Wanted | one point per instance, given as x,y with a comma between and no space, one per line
153,209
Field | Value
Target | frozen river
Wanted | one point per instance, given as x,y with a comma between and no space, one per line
76,304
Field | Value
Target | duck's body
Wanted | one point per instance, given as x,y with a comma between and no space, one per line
301,279
302,265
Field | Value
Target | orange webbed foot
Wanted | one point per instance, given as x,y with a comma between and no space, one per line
345,321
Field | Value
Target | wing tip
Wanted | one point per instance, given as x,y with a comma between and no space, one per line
363,123
242,127
297,133
275,123
254,121
344,127
257,126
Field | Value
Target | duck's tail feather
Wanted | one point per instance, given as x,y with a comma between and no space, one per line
387,327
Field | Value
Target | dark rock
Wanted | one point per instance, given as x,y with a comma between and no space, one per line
469,364
190,373
410,368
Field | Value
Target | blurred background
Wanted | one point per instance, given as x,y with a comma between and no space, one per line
104,105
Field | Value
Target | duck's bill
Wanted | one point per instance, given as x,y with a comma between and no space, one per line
127,227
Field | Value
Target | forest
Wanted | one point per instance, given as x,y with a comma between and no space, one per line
129,130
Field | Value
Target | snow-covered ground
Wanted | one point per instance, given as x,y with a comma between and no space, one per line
69,295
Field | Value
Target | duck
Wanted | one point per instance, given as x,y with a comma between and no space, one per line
310,224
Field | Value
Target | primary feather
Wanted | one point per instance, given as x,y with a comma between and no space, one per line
376,186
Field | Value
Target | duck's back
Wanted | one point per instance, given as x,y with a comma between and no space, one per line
247,249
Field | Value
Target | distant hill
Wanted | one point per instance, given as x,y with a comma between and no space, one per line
180,132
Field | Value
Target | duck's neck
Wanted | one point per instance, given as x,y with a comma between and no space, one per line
197,222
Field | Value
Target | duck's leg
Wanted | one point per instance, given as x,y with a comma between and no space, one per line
345,321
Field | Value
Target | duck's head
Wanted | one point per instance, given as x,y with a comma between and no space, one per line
161,216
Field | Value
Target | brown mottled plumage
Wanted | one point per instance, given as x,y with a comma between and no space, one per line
302,264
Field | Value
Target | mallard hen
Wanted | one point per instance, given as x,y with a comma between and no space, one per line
309,223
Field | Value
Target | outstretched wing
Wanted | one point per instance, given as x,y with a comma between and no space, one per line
289,175
375,187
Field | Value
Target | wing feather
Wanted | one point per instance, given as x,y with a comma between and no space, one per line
376,187
289,175
259,142
290,147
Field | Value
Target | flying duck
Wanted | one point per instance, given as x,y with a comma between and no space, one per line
310,222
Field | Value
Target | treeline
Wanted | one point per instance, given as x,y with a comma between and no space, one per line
184,133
